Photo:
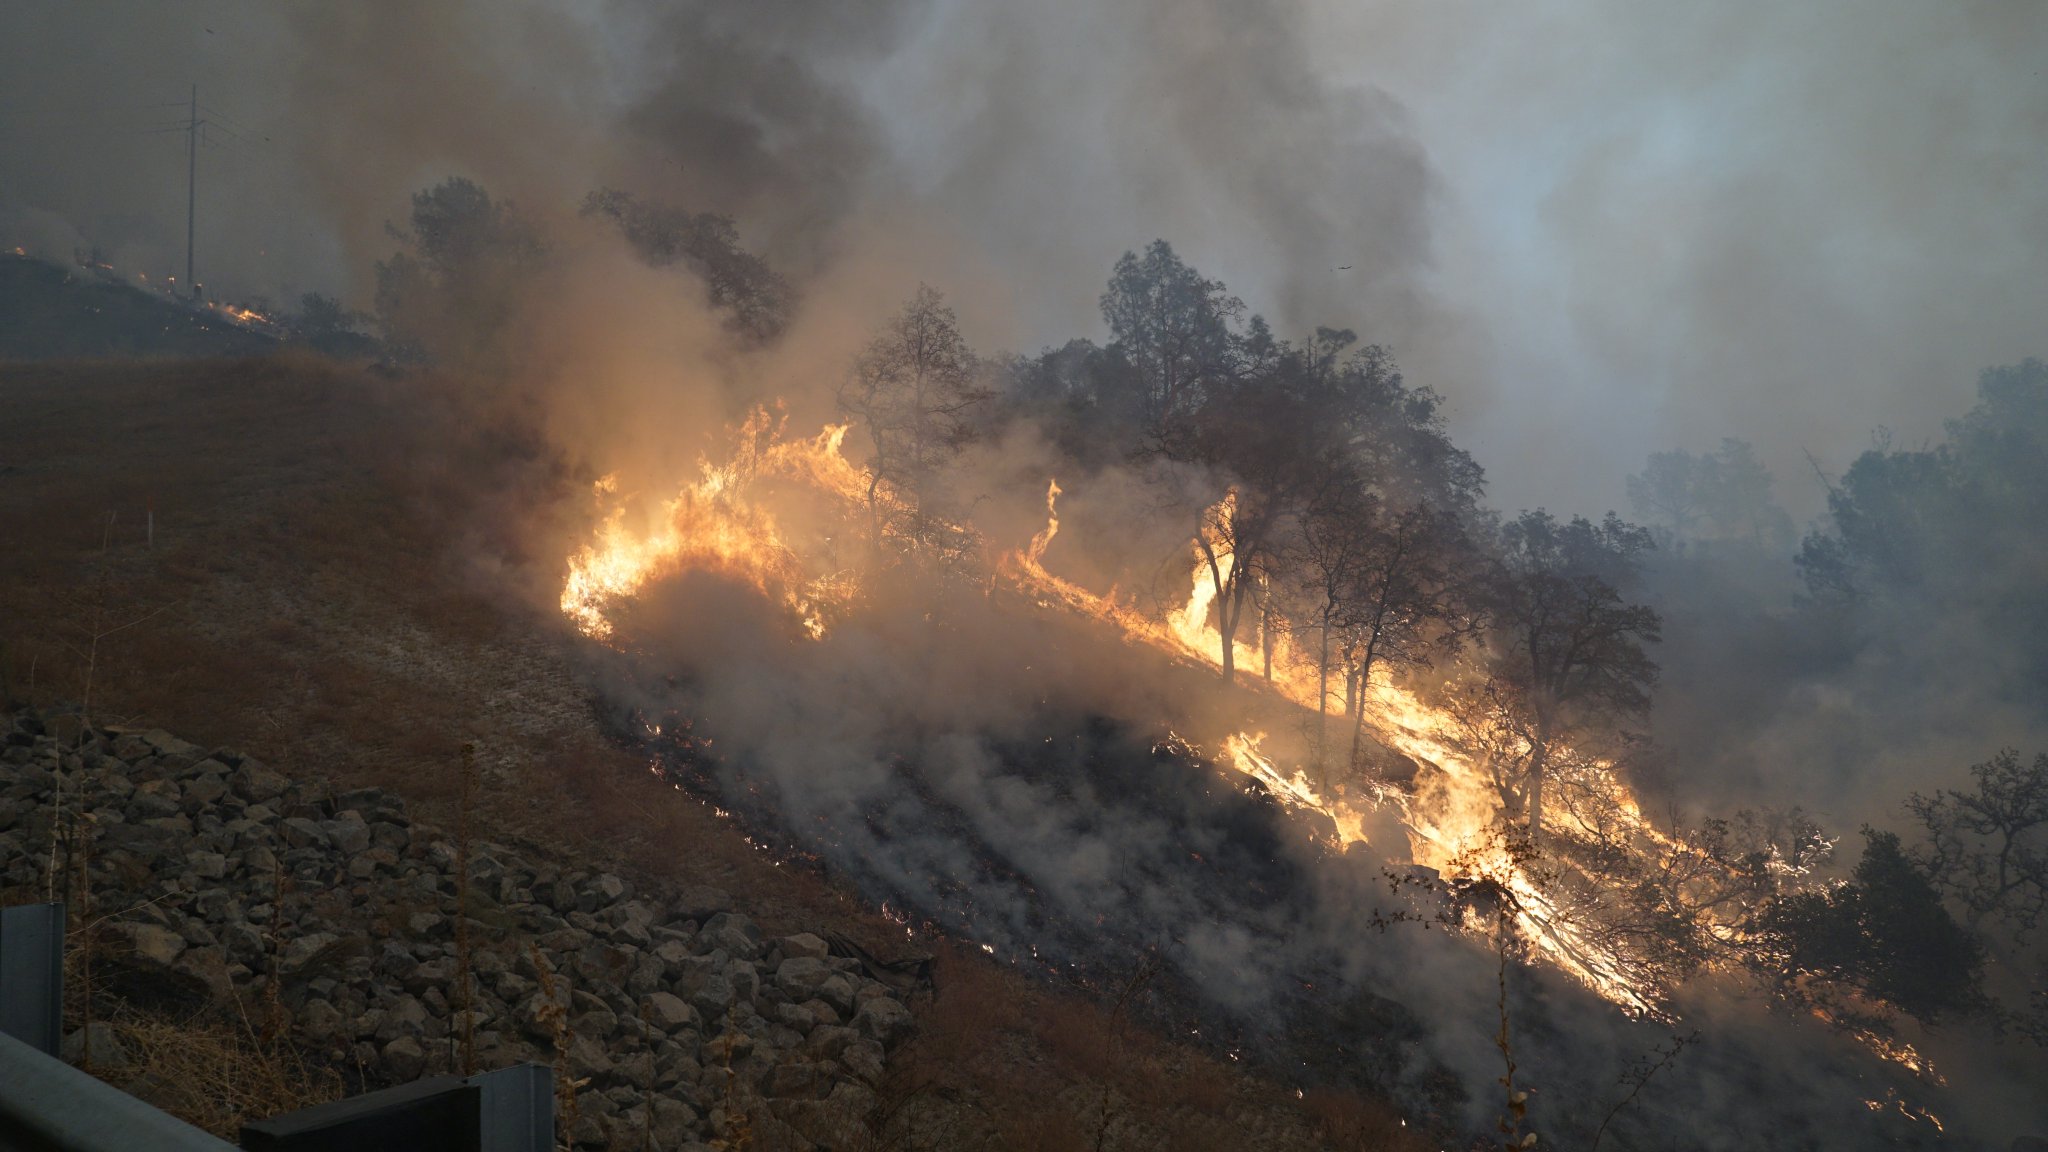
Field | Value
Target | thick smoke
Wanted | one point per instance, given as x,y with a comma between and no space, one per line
1790,223
1597,229
1597,232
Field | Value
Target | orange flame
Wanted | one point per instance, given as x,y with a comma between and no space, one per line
714,525
1453,824
718,524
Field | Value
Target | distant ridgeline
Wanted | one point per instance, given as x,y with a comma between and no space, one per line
51,312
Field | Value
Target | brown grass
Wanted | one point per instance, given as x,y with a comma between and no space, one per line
1002,1064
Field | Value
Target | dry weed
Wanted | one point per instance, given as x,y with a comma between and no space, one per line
215,1075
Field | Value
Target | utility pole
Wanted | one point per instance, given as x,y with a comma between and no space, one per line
191,186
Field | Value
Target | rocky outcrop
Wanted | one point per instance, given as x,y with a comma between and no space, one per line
221,881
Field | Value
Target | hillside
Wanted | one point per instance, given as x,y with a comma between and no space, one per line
49,312
262,554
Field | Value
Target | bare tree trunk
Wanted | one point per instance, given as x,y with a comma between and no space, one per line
1266,634
1225,626
1358,719
1229,609
1538,768
1372,645
875,515
1323,700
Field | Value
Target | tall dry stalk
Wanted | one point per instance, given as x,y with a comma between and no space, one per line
56,818
555,1018
739,1124
647,1098
463,983
82,897
99,631
1638,1077
1517,1114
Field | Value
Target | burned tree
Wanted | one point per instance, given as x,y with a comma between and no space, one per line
1380,546
1378,584
1274,443
1407,601
1335,548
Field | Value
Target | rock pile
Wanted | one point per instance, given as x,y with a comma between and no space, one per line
221,880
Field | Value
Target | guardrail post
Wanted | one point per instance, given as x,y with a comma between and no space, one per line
510,1110
518,1108
32,975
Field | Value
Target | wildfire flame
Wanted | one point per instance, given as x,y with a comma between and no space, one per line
1453,826
722,523
247,317
715,524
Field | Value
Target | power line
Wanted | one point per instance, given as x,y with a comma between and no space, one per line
216,114
192,190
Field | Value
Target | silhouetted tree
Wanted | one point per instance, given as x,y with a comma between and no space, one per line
915,390
1174,329
1725,495
1931,523
1409,601
1379,585
1989,847
450,292
1343,484
756,299
1667,492
1085,398
1268,438
1885,931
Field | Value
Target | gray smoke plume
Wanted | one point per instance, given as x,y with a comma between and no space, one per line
1598,230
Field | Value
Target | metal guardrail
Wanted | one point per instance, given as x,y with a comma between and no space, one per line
510,1110
47,1105
32,975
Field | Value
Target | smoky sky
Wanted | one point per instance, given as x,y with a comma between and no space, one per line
1599,228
